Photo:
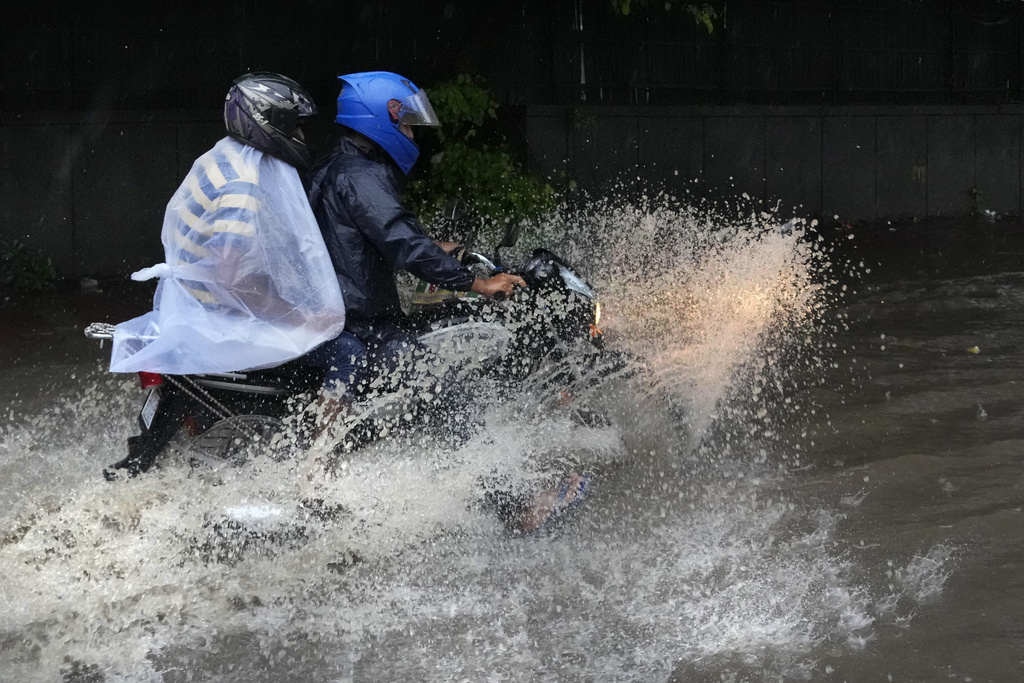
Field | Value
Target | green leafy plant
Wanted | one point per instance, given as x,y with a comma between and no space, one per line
704,15
475,162
23,270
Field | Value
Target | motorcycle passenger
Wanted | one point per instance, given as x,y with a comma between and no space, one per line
355,195
278,131
247,281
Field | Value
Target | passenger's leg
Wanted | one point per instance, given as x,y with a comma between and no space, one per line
343,360
345,374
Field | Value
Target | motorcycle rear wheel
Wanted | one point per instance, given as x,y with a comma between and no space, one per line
235,440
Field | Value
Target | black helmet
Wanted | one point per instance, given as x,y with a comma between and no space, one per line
264,110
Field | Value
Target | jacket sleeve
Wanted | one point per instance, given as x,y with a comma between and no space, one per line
396,232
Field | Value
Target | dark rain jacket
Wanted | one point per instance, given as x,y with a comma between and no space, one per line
369,234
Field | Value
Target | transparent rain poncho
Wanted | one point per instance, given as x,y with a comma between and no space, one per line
247,281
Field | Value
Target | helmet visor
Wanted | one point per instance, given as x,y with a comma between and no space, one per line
415,110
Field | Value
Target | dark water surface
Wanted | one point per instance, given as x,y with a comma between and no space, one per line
928,437
858,520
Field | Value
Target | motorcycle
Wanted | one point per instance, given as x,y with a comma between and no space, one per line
544,345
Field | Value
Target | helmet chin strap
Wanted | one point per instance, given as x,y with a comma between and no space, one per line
362,142
370,146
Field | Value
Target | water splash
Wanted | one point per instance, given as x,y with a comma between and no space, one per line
925,575
699,295
390,568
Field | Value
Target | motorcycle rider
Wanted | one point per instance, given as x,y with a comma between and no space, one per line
355,196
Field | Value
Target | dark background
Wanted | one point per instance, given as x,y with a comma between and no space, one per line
173,54
861,109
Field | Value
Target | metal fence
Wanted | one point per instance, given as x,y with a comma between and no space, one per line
111,54
795,52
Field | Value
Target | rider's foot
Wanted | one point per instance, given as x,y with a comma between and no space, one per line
550,505
330,411
127,468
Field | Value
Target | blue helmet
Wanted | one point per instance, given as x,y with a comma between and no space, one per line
375,103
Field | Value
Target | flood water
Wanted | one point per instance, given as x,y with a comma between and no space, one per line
815,474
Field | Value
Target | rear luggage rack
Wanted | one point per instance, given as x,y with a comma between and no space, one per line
100,331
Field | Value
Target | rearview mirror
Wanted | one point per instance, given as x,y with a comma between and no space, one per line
454,224
454,210
512,230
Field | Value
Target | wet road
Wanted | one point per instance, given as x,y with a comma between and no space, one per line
851,510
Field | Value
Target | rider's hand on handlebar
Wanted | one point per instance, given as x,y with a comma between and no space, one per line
448,247
499,287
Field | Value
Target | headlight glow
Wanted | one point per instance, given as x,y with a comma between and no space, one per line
597,313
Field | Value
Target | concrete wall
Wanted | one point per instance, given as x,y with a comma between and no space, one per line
857,162
90,191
